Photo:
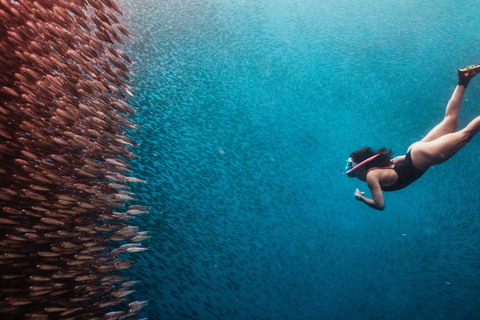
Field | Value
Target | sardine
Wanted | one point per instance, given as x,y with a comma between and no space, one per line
10,92
137,306
136,249
54,309
129,284
122,293
136,212
17,302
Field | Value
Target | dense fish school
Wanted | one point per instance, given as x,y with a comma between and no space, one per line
64,154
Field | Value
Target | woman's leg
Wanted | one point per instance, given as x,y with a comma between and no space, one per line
450,122
428,153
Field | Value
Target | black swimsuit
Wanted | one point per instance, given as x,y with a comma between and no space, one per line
407,173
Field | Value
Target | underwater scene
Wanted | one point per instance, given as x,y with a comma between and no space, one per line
185,159
247,111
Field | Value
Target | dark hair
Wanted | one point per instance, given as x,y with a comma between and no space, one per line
383,160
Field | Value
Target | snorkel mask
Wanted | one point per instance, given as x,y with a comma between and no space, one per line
349,164
351,168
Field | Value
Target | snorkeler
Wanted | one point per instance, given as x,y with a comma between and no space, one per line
382,173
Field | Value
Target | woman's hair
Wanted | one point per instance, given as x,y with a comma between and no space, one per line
383,160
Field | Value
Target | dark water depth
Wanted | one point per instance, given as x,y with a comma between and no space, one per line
248,110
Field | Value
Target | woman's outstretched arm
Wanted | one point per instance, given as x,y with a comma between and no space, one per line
377,201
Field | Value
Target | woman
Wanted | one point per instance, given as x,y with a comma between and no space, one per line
385,174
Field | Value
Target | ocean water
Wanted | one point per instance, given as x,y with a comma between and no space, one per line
247,112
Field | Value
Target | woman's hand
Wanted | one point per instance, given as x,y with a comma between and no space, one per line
359,194
377,201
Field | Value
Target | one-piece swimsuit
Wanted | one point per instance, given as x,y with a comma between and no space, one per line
407,173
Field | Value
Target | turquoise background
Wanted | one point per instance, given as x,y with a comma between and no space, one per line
247,112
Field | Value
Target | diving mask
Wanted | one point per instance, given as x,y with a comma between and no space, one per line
351,168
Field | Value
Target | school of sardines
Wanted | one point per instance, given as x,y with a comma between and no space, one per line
65,203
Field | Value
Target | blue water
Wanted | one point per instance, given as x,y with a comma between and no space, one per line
247,112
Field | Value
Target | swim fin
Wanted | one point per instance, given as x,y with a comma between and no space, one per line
466,74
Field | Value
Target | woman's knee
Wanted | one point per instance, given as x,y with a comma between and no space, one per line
451,121
467,135
472,128
452,144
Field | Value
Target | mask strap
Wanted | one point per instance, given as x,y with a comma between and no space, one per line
362,163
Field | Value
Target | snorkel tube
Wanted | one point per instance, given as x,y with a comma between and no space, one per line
364,162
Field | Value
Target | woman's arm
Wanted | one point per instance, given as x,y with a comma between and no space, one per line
377,201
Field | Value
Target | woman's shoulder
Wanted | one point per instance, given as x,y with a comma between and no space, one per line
382,174
381,169
379,172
